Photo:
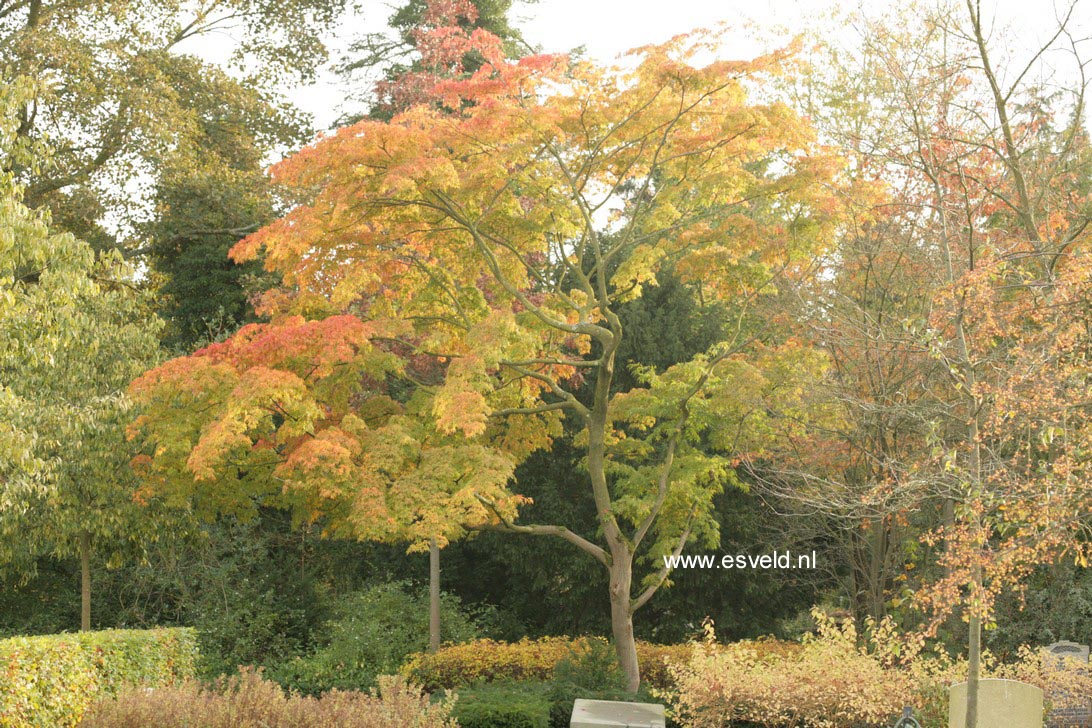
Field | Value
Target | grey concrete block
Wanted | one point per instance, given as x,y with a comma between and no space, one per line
615,714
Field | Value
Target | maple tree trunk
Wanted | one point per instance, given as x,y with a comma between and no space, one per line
620,564
85,581
621,616
433,596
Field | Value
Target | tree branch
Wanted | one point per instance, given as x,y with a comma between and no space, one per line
664,572
539,530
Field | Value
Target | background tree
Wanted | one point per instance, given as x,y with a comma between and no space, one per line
990,170
1002,218
211,193
860,481
75,332
450,40
429,39
117,95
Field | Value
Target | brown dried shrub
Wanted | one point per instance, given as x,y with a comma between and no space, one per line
249,701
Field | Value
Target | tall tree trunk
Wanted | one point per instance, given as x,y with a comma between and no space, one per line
877,568
621,616
85,581
974,667
971,398
433,596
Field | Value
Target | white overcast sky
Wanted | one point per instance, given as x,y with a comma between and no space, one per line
606,28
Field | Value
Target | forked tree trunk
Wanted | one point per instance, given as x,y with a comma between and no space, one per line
85,581
433,596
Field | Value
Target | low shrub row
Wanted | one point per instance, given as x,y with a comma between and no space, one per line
829,684
247,700
49,681
589,669
486,660
535,660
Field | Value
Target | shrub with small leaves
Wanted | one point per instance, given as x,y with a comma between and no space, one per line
486,660
503,705
124,657
49,681
591,670
838,680
46,682
829,683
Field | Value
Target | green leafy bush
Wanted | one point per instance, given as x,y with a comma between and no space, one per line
247,700
372,634
590,663
503,705
50,681
590,670
244,587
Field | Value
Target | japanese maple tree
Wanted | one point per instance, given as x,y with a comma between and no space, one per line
451,291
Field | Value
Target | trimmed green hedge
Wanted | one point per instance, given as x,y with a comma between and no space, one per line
49,681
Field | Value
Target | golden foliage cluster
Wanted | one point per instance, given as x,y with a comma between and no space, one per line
841,679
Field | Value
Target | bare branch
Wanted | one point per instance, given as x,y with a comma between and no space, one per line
505,525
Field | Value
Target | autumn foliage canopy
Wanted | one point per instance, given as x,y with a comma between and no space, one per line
451,286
